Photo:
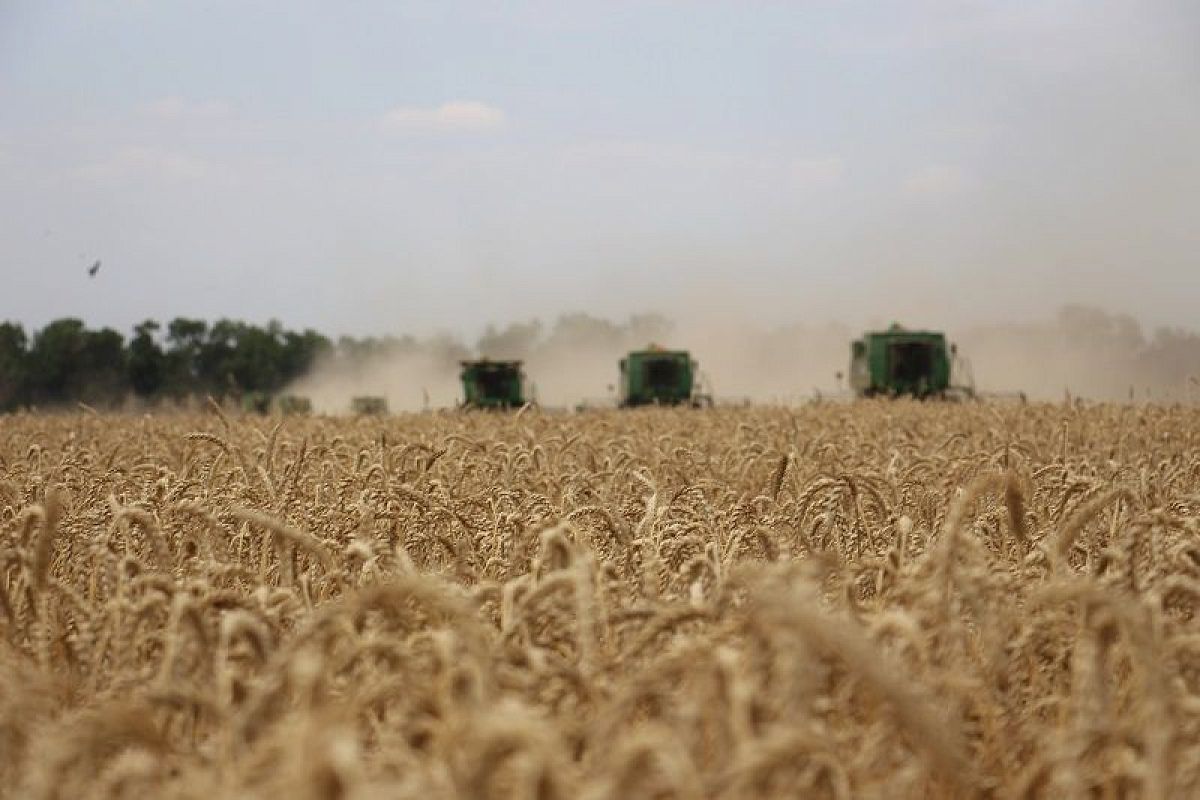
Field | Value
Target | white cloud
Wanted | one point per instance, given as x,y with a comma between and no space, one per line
146,162
817,171
938,180
458,116
178,108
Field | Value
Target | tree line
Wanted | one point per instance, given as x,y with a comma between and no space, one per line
68,362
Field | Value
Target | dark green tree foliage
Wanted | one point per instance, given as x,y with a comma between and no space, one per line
147,361
67,362
302,350
13,384
185,340
103,378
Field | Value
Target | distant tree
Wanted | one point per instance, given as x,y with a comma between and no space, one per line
185,341
256,358
301,351
215,359
13,358
67,362
55,357
103,376
147,361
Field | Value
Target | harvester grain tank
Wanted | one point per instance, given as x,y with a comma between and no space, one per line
656,376
493,384
899,361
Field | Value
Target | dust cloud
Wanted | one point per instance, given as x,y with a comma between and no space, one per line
410,374
1086,352
1081,352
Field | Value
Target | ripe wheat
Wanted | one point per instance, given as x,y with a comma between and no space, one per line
882,600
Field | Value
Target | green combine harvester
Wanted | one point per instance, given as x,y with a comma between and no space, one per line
256,403
369,406
899,361
264,403
493,384
294,405
655,376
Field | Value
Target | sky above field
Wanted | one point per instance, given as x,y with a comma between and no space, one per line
374,167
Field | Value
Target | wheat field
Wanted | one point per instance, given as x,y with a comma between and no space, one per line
877,600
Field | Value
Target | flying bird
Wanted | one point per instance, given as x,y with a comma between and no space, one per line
93,269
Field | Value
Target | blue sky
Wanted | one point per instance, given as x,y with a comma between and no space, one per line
390,166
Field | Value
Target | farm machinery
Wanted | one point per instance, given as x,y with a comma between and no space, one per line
256,403
656,376
295,405
369,406
492,384
264,403
899,361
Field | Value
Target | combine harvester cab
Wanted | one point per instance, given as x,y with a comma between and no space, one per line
900,362
493,384
655,376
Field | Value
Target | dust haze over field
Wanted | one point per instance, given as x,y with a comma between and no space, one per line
1089,353
1083,351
